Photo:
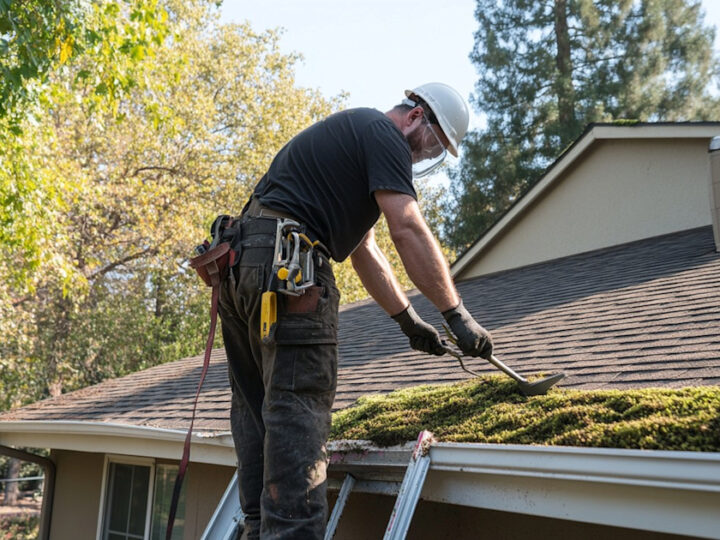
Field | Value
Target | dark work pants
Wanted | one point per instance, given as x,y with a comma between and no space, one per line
282,394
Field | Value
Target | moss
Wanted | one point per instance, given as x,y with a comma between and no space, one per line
625,121
490,409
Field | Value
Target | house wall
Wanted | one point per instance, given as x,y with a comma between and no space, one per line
76,504
205,486
618,192
78,492
366,516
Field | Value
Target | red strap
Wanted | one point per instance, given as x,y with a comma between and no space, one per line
186,448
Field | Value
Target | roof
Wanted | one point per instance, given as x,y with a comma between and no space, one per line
571,156
637,315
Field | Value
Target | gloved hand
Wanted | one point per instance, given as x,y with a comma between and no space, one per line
472,338
423,337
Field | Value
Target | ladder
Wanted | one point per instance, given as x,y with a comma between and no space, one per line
228,516
407,498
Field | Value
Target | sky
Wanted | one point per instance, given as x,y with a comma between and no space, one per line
375,49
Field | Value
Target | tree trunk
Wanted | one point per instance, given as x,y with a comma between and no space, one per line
564,85
12,488
56,353
160,296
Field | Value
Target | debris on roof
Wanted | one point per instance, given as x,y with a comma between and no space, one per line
491,409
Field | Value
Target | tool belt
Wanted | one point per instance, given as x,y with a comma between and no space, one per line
296,247
295,256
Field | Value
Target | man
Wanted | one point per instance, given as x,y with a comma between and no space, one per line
334,179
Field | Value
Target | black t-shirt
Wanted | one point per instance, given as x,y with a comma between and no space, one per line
327,174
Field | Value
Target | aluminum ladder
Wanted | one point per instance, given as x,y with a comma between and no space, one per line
407,498
228,516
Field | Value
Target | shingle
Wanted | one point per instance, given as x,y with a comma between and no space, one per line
637,315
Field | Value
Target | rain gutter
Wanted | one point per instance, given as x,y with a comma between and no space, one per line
662,491
105,437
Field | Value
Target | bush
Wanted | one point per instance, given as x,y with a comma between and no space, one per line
19,528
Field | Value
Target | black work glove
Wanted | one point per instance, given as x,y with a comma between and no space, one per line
423,337
472,338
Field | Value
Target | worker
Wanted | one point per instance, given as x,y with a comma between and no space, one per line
334,178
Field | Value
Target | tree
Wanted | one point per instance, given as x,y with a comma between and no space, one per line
550,67
37,36
130,185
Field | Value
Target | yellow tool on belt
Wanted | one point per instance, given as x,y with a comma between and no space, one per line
293,271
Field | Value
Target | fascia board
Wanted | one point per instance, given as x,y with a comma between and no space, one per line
600,132
120,439
662,491
659,131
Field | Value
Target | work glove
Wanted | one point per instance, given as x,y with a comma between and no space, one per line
472,338
423,337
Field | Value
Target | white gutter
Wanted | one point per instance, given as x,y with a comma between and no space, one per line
662,491
123,439
600,132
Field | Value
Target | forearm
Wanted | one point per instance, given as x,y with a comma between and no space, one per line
426,265
377,276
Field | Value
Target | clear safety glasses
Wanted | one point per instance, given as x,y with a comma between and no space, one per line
431,152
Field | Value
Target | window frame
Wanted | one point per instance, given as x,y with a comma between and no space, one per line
125,460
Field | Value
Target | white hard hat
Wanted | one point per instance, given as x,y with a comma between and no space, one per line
449,108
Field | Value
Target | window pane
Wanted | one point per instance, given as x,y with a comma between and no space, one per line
139,500
164,484
119,500
126,501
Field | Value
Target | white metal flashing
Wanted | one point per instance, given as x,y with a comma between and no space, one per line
119,439
599,132
671,492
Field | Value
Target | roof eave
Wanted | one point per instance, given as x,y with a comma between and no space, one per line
113,438
595,132
671,492
663,491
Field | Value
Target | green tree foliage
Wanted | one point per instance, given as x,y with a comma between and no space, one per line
37,36
550,67
119,182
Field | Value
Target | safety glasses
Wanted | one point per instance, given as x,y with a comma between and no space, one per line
431,152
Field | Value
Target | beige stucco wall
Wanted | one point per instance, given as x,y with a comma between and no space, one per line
619,191
366,516
205,486
78,493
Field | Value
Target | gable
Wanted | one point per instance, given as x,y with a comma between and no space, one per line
617,185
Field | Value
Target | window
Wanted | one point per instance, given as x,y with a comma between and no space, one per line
137,500
164,484
126,501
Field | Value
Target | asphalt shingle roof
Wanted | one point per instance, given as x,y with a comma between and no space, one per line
637,315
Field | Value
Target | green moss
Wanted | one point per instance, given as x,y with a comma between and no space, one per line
490,409
625,121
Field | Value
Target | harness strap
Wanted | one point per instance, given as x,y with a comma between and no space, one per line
186,448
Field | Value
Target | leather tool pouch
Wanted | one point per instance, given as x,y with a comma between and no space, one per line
216,258
305,303
213,265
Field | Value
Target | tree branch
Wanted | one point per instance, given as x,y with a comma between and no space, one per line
164,169
122,261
